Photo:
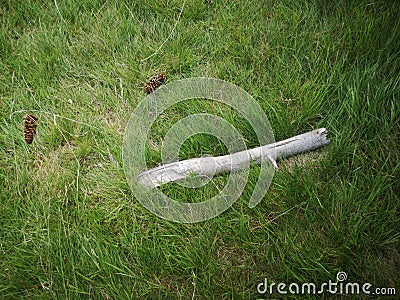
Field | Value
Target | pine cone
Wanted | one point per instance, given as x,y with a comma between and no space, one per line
30,124
155,81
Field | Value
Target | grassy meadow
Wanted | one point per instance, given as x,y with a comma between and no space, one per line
70,227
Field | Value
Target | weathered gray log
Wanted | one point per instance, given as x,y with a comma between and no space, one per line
209,166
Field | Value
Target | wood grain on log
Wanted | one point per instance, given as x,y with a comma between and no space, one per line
210,166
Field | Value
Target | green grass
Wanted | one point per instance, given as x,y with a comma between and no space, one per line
70,227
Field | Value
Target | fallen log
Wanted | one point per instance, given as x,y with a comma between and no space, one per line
210,166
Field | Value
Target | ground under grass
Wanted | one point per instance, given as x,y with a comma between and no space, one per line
70,227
